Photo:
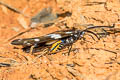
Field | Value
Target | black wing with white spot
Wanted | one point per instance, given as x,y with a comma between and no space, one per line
43,39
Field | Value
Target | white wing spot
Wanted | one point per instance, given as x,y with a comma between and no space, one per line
25,42
20,40
37,40
68,32
55,36
28,44
76,35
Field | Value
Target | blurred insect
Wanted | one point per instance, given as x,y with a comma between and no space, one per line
58,40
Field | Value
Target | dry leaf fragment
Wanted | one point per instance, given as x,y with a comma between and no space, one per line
22,21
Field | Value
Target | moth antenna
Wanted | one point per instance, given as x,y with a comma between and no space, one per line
92,33
91,36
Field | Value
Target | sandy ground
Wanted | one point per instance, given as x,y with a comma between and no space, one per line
98,60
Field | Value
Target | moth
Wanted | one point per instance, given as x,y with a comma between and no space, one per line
58,40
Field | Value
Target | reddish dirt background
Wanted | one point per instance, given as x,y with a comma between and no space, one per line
86,64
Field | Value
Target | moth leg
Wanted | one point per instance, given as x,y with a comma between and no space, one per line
91,37
32,48
70,48
93,34
44,52
105,32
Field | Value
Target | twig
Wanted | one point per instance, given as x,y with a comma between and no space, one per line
2,64
13,9
20,34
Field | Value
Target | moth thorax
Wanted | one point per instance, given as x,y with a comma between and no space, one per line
80,34
70,40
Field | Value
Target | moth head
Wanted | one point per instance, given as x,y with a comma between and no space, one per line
79,33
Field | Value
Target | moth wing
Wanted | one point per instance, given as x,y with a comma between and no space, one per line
43,39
